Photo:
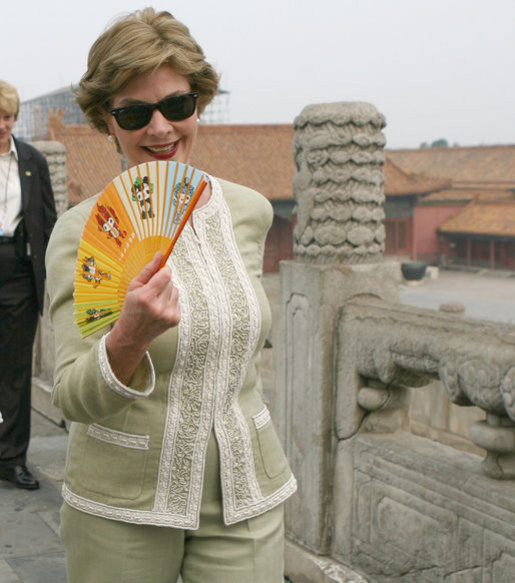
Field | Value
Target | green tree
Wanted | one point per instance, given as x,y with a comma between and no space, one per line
441,143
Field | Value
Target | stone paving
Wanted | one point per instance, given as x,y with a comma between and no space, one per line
30,549
485,295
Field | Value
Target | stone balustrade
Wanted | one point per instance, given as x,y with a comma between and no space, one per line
394,346
376,502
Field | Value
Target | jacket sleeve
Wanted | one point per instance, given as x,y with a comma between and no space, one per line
252,217
85,388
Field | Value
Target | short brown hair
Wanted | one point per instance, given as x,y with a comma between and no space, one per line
138,43
9,99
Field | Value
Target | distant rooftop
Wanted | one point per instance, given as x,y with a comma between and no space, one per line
467,167
483,218
399,182
259,156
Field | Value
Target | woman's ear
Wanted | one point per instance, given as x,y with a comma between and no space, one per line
108,118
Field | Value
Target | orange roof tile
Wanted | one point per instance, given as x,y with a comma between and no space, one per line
398,182
477,166
91,160
451,195
483,218
258,156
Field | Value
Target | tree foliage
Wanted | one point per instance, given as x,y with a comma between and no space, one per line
440,143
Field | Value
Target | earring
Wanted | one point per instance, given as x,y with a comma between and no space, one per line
110,138
198,119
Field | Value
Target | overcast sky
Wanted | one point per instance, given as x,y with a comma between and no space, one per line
434,68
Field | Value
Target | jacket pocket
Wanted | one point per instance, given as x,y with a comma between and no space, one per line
270,449
118,437
113,463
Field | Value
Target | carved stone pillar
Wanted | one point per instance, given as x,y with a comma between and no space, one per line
338,185
339,241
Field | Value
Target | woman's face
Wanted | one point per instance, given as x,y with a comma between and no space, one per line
160,139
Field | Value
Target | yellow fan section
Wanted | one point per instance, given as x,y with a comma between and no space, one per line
143,210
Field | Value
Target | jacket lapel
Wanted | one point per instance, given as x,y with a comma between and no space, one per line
26,169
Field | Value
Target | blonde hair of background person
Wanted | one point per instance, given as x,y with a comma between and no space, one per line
9,99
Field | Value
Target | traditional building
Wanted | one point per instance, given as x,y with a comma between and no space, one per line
481,235
409,230
468,222
92,160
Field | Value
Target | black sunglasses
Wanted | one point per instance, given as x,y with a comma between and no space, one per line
175,108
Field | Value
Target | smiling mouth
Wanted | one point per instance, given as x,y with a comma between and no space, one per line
162,149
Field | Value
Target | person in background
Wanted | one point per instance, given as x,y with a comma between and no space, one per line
173,464
27,216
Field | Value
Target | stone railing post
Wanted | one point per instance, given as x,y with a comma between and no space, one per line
339,241
43,362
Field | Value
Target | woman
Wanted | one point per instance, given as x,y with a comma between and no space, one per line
173,464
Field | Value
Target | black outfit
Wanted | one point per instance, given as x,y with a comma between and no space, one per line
22,291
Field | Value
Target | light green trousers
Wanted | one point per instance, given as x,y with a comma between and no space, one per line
99,550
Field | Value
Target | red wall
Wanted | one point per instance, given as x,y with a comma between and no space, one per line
426,220
279,244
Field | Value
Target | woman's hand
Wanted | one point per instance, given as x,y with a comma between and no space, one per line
151,307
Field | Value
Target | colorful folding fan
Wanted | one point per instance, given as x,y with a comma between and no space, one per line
143,210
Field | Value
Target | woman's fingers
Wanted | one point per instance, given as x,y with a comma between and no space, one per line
152,301
150,308
149,270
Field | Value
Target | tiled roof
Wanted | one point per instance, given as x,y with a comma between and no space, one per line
472,167
464,195
482,218
258,156
91,160
398,182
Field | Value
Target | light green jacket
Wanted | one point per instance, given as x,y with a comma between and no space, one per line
136,453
